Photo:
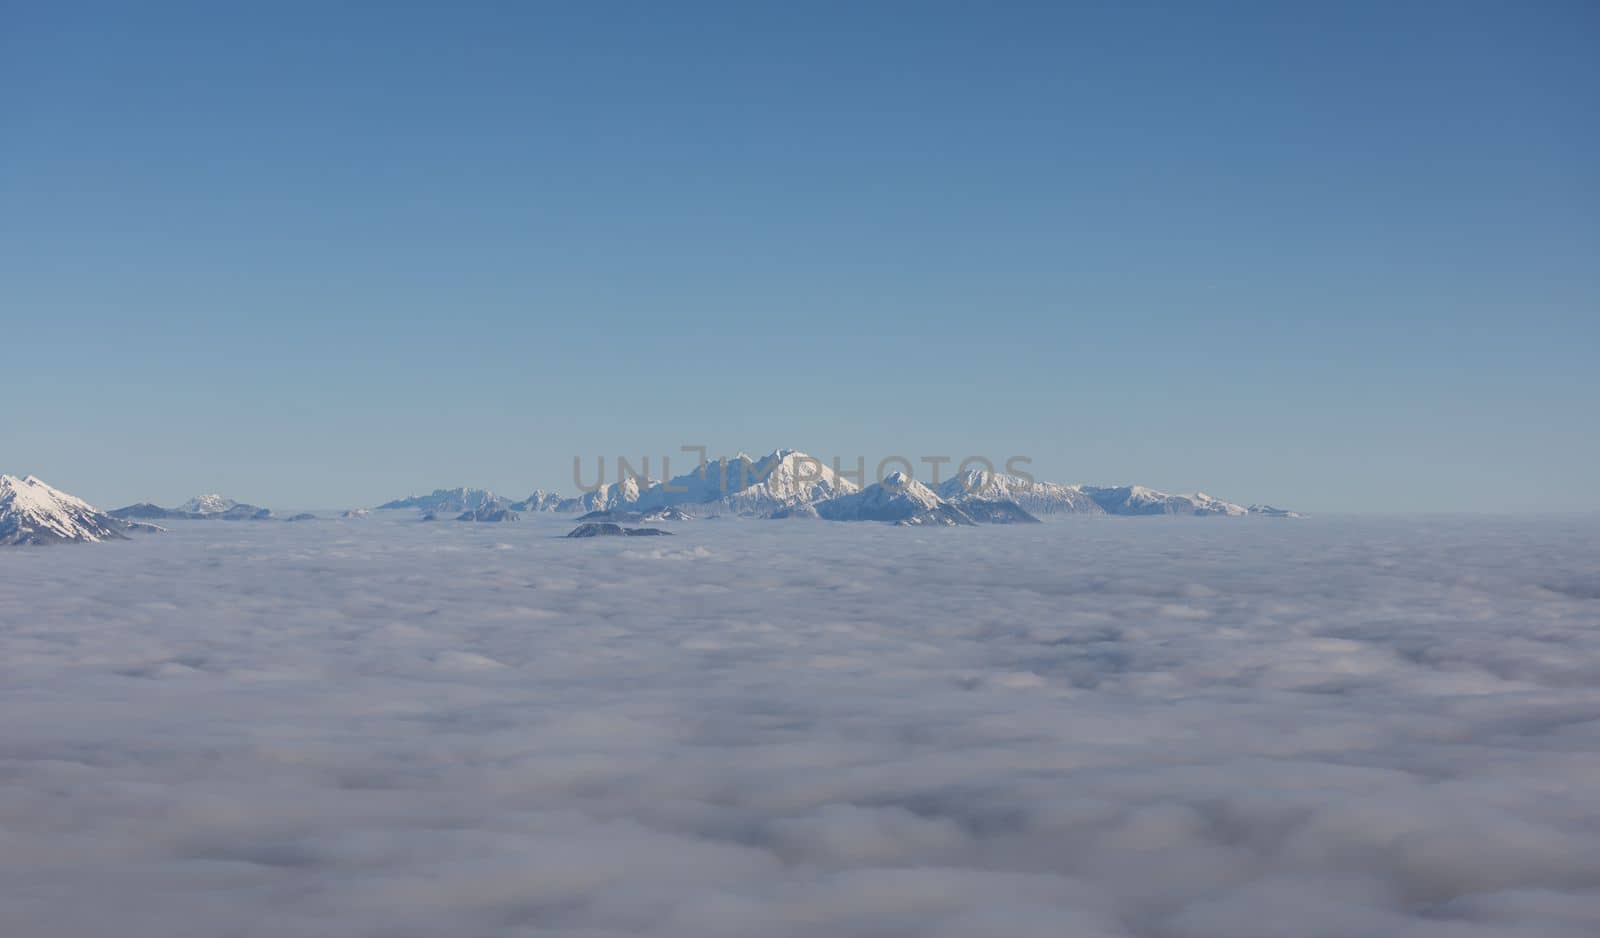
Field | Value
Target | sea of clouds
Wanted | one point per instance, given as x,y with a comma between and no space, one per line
1144,728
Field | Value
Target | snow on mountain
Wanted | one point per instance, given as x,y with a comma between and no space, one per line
613,495
743,485
624,516
141,527
804,511
785,483
669,513
206,505
489,513
739,485
995,511
898,498
782,482
454,500
1138,500
32,512
1038,498
200,508
779,480
1271,512
1053,498
541,500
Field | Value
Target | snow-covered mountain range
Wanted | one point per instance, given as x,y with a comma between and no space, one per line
787,483
1138,500
541,500
1039,498
740,485
747,486
898,498
1053,498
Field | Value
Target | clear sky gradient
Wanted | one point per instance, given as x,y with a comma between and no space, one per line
1333,256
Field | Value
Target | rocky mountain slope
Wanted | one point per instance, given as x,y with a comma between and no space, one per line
32,512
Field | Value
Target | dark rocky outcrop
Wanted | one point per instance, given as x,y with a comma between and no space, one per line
608,529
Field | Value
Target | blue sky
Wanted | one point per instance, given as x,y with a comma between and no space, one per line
1338,256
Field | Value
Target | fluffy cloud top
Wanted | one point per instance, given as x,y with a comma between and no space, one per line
1091,729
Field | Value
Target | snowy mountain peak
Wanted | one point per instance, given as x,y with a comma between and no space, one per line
540,500
746,486
207,505
32,492
903,485
32,512
611,495
788,475
898,498
1039,498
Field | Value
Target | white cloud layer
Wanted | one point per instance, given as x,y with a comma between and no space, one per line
1138,728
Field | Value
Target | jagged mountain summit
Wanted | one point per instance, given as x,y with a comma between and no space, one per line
452,501
612,495
32,512
1038,498
741,485
207,505
542,501
747,486
898,498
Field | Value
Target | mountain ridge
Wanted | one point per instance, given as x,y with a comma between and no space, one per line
200,508
34,513
785,483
